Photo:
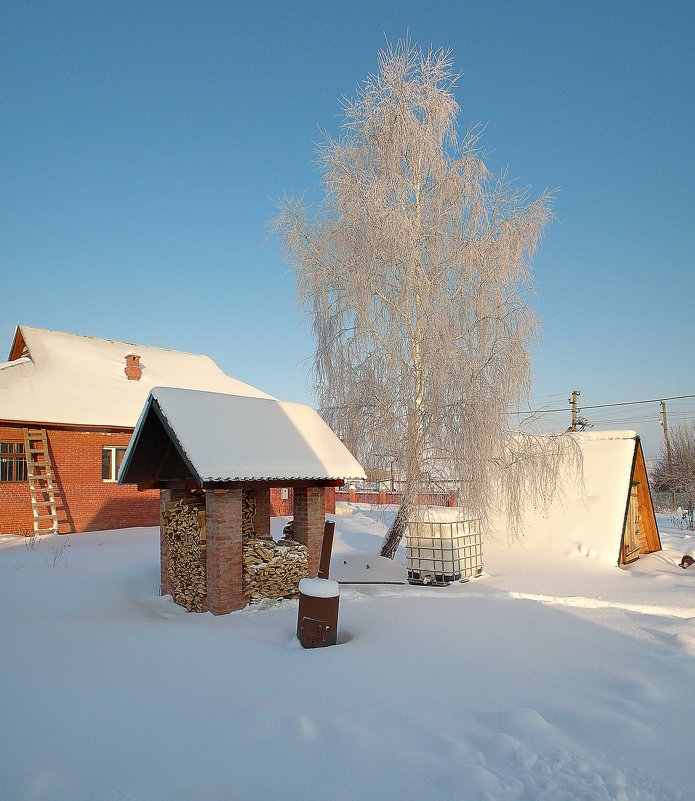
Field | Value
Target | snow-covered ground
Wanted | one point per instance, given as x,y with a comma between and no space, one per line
551,677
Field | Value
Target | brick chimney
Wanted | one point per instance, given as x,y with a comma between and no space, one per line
132,367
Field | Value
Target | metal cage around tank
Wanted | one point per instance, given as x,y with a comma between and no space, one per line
441,552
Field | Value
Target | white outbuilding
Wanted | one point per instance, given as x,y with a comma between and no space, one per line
603,505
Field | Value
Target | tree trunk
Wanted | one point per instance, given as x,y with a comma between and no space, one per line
395,534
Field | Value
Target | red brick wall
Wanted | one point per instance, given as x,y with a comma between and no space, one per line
223,552
88,503
309,521
329,500
261,523
15,503
280,508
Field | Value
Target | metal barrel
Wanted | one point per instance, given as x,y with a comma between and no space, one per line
317,618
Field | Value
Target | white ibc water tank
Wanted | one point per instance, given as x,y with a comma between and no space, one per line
442,551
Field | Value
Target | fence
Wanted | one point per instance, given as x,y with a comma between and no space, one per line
663,501
381,497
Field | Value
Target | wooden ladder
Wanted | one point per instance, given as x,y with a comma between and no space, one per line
41,486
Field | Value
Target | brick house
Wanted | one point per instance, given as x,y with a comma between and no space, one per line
77,399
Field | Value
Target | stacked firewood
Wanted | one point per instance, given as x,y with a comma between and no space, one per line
248,513
273,569
186,556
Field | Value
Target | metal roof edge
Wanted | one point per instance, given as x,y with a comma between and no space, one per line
128,455
281,478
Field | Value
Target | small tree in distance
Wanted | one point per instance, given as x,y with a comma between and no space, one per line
413,271
677,473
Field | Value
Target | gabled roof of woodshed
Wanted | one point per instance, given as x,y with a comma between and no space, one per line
230,438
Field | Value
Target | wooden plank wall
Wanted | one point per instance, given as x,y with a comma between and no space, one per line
649,533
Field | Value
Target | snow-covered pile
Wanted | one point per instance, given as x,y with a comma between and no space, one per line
543,680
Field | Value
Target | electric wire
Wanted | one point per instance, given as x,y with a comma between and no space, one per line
604,405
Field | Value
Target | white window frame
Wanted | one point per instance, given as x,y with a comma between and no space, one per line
113,449
17,457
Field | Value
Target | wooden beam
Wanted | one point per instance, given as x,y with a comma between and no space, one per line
180,484
18,345
165,455
276,483
191,484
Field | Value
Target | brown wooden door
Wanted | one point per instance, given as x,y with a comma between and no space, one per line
631,543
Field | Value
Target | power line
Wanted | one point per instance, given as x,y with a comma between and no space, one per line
612,421
643,417
604,405
609,414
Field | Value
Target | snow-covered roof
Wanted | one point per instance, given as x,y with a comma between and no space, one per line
79,380
587,514
234,438
603,436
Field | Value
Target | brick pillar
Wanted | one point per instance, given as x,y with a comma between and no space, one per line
262,520
167,497
223,552
309,520
330,500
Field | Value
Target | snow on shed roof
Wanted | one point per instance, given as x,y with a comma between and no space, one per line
234,438
79,380
587,515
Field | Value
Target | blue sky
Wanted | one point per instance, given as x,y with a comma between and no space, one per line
142,145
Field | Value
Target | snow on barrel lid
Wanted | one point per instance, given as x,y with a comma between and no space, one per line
319,588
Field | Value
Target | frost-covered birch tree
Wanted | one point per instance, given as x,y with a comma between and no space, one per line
413,271
675,471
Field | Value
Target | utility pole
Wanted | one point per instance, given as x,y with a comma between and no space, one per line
573,403
669,460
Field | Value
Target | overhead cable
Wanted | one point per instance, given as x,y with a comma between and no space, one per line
604,405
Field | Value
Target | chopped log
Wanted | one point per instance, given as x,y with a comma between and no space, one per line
273,570
248,513
186,555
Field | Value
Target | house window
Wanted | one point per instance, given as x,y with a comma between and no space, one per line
111,458
13,462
